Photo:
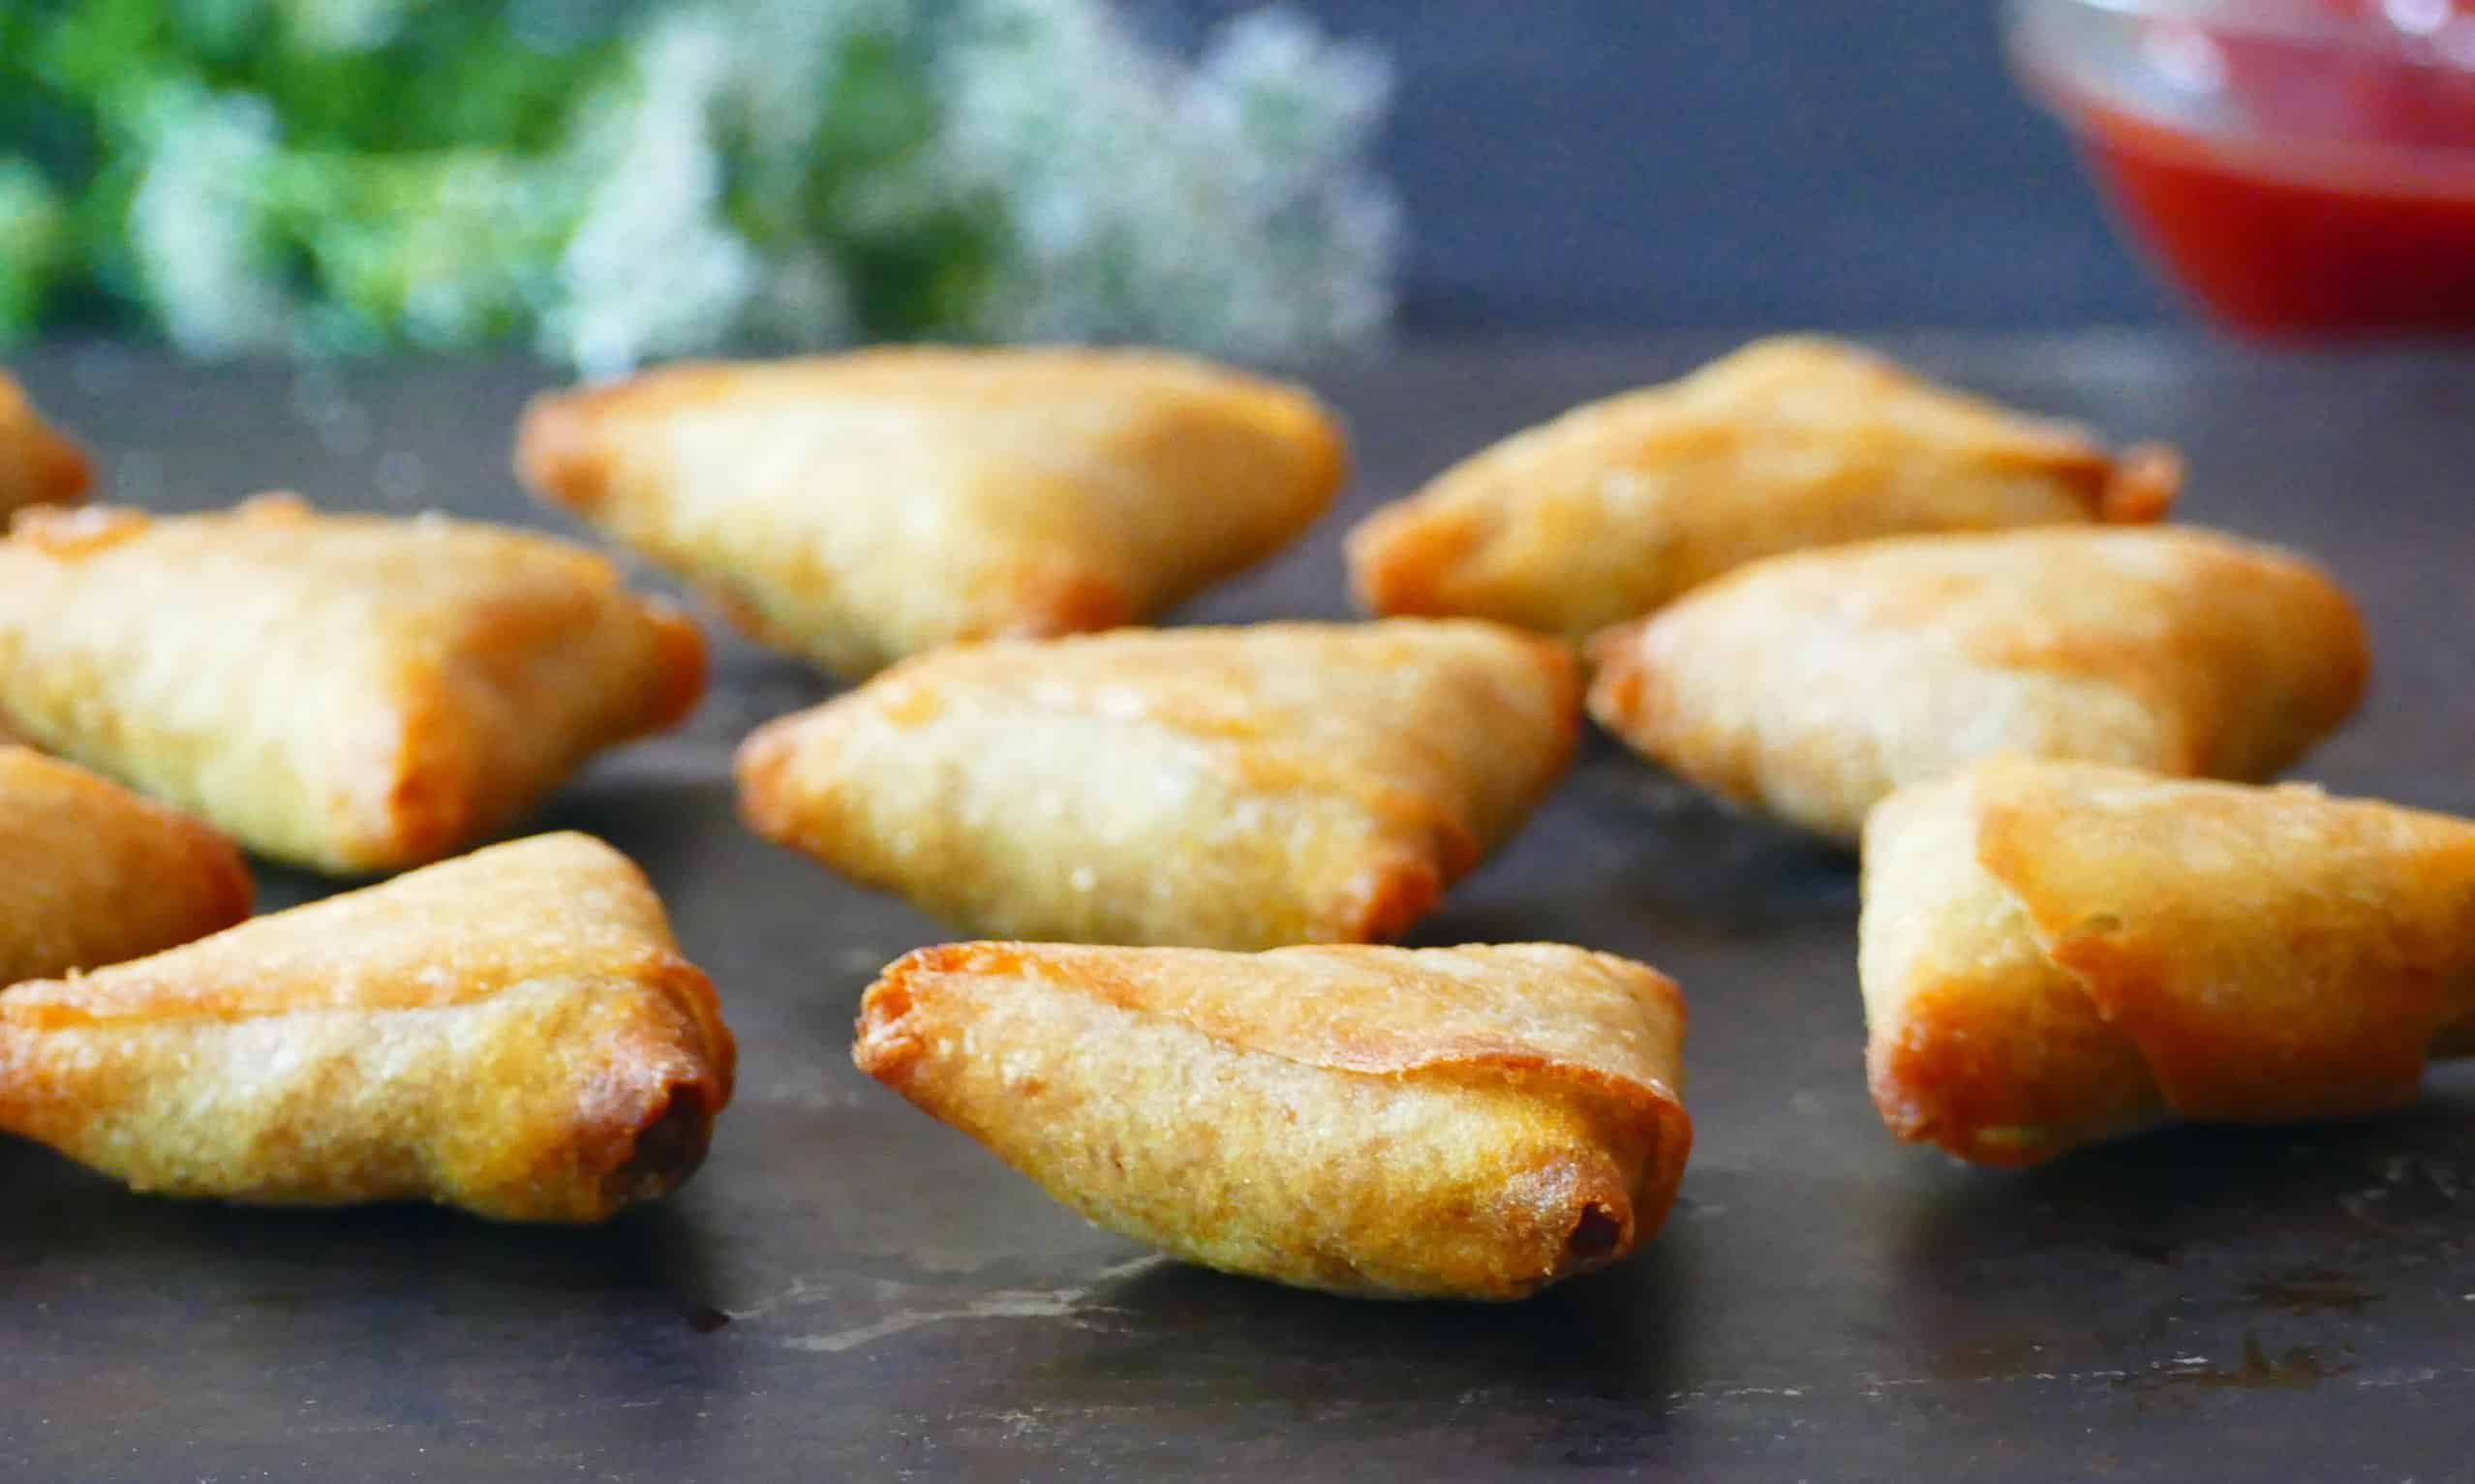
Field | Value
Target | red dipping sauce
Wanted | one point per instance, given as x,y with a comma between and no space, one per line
2303,167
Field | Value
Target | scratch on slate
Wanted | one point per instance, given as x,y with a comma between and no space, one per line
1053,1304
1075,1302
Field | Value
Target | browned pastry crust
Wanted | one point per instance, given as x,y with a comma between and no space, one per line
1225,788
1616,508
512,1032
347,692
91,874
38,465
1465,1123
854,510
1811,685
2056,952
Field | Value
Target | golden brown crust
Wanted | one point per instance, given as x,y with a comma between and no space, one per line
38,466
1813,685
348,692
1222,788
92,874
2054,952
854,510
2139,486
512,1032
1471,1123
1385,1013
1616,508
1977,1042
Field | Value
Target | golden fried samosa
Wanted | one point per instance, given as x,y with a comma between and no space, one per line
91,874
347,692
512,1032
1461,1123
2056,953
1229,788
1810,685
38,465
1616,508
854,510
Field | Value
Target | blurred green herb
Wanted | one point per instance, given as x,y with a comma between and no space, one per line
612,180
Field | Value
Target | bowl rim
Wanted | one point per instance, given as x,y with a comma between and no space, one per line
2057,80
2301,20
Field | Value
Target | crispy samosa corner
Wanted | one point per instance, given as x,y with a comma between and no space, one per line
92,874
854,510
1617,508
352,693
1232,788
512,1032
1447,1123
2054,953
39,466
1811,685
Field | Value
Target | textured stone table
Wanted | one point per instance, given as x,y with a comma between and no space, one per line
851,1292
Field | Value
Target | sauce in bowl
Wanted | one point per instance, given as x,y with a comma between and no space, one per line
2298,180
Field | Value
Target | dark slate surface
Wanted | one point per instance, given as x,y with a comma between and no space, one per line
851,1292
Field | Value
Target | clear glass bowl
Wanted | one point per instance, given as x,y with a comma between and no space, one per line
2301,167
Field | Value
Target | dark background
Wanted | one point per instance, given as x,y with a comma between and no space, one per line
1839,163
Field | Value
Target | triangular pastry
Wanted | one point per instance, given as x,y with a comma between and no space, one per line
91,874
1616,508
854,510
1225,788
1813,685
1460,1123
347,692
2056,952
512,1032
